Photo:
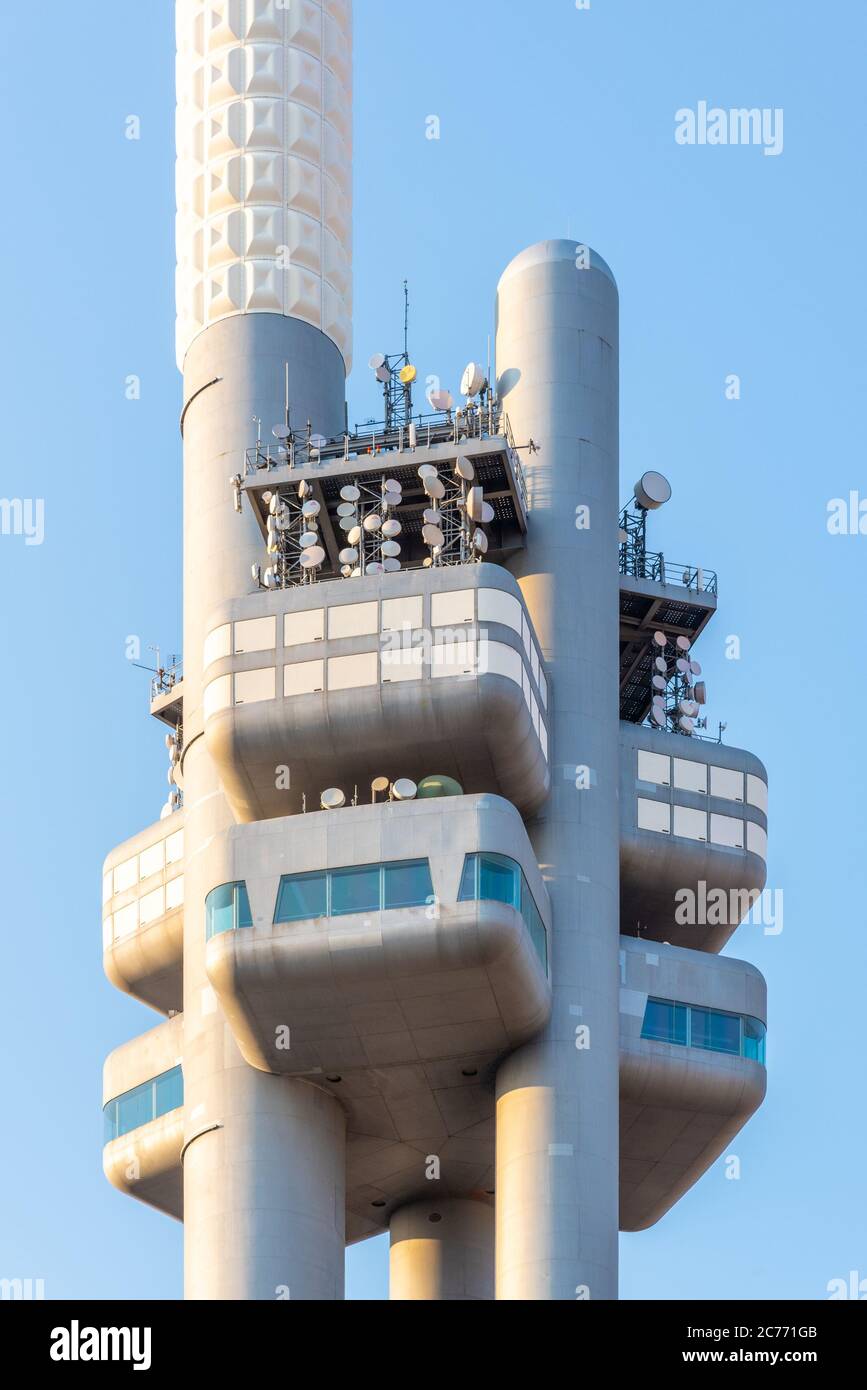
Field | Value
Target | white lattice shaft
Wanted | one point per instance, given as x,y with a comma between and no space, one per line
264,164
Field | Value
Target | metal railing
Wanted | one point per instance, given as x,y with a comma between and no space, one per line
652,564
165,680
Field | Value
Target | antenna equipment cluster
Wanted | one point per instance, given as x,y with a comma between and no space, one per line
677,693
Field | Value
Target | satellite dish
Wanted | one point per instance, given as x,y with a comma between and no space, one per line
687,725
379,784
434,487
372,522
309,538
256,572
391,549
346,571
652,490
347,523
376,361
266,497
440,400
683,644
658,683
660,639
391,528
303,488
312,558
350,493
354,535
282,432
472,380
404,790
427,470
432,535
480,541
348,556
487,514
274,504
464,469
375,568
427,562
392,485
657,715
695,668
475,502
332,799
689,708
310,508
700,693
392,499
432,516
346,509
437,785
391,565
407,375
318,441
383,374
661,664
682,665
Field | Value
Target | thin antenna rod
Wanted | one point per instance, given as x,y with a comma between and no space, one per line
286,392
406,319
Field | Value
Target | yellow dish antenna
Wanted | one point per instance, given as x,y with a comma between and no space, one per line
407,375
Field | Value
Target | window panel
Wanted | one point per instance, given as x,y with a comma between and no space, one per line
304,678
690,824
543,687
217,644
217,696
126,875
169,1092
757,792
255,635
664,1021
107,887
654,767
496,659
175,847
534,661
496,606
468,879
152,860
690,776
525,634
654,815
757,840
498,880
253,686
135,1108
353,620
754,1040
353,672
175,893
308,626
727,783
715,1032
126,921
355,890
401,664
543,738
455,658
453,608
726,830
152,906
302,896
402,614
220,910
406,884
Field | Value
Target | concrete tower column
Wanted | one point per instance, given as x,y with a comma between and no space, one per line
442,1250
557,1097
264,280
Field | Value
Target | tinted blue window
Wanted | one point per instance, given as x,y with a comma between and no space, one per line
301,896
406,884
245,917
664,1021
754,1040
220,910
144,1103
498,880
468,879
355,890
715,1032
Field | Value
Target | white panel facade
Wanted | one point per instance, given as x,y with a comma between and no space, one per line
264,164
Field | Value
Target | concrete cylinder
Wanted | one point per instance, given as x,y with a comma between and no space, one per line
264,1164
557,1098
442,1250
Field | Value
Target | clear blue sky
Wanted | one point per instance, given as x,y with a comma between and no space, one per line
554,122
